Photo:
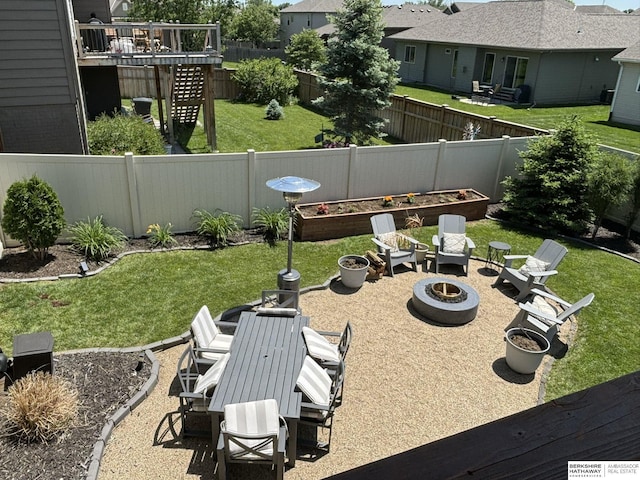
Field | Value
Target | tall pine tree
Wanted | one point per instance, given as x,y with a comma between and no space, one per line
359,76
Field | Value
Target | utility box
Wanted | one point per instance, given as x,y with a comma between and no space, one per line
31,352
142,106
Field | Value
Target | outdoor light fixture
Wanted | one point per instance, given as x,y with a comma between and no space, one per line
83,268
292,189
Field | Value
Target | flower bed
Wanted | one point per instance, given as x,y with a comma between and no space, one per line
323,221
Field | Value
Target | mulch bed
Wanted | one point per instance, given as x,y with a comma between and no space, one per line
104,381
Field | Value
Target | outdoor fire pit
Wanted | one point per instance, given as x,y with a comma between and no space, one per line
445,301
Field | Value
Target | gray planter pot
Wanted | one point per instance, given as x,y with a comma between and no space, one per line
353,277
521,360
421,252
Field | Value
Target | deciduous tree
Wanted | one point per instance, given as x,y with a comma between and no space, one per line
306,50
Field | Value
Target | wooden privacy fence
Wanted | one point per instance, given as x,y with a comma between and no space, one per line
410,120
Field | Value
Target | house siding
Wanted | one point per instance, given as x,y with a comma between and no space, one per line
411,72
626,107
38,79
574,77
438,68
293,23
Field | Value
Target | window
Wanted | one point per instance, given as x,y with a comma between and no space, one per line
308,20
454,64
487,69
125,6
410,54
638,86
515,71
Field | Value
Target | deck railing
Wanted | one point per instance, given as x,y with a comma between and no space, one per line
148,38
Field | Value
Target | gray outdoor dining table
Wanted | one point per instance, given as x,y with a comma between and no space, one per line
267,353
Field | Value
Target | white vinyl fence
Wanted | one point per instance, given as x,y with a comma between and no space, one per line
132,192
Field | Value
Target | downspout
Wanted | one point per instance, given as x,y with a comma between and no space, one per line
615,92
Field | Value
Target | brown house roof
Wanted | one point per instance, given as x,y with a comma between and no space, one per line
529,25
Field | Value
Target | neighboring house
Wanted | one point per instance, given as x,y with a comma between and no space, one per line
596,9
625,107
307,14
396,18
545,48
119,9
456,7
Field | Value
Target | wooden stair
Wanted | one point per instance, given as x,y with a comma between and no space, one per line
188,93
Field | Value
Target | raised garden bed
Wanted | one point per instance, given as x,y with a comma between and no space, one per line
344,218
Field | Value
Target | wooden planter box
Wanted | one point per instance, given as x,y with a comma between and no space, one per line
311,226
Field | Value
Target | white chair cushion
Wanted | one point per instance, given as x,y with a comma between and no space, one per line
533,265
453,242
252,418
314,382
211,377
319,347
203,328
221,342
539,303
390,240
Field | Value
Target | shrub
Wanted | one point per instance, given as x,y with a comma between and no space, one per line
265,79
274,110
275,224
96,240
634,197
40,406
33,214
120,134
161,236
609,180
552,188
217,227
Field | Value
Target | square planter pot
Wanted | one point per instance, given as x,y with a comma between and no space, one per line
311,226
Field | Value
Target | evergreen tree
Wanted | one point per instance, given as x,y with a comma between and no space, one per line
358,77
552,189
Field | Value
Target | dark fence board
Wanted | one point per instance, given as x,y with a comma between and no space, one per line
599,423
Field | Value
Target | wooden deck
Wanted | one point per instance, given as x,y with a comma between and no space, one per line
129,43
599,423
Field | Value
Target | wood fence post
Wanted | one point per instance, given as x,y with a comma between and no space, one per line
443,111
403,117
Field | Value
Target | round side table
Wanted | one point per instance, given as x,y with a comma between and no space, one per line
496,252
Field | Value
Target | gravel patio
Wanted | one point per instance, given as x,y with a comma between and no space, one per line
408,382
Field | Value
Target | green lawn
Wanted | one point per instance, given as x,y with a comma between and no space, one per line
145,298
594,117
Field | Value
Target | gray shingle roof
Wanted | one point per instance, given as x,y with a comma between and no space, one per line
314,6
596,9
631,54
409,15
529,25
